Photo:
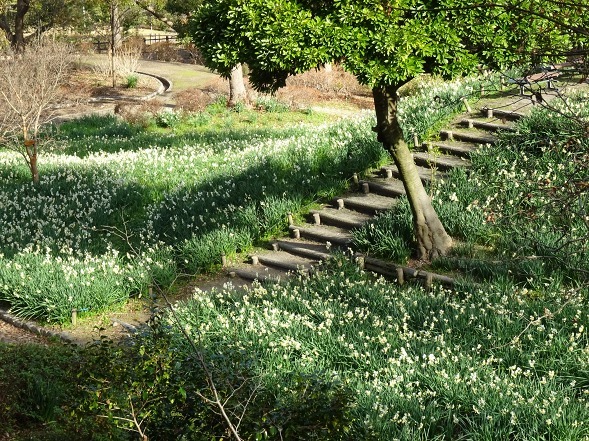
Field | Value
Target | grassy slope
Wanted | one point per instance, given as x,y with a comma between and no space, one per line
503,360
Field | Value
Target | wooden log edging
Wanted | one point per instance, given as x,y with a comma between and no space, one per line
33,328
390,269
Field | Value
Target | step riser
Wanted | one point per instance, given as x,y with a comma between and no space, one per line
501,114
490,127
396,175
438,166
286,267
261,277
383,190
303,252
335,222
466,138
322,238
364,208
448,150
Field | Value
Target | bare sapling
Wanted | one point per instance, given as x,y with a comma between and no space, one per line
30,86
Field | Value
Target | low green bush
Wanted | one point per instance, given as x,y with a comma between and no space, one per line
131,81
168,118
270,104
40,394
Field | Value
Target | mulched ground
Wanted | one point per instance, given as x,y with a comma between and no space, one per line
12,334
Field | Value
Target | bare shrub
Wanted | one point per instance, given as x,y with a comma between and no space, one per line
134,115
194,100
162,51
191,52
84,47
297,96
126,59
125,63
141,114
31,83
336,81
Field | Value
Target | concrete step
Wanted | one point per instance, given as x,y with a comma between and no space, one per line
383,186
501,114
285,261
486,125
301,247
471,136
456,148
370,203
440,161
260,273
323,233
425,173
342,218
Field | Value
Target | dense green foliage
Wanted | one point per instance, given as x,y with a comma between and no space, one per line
40,393
381,43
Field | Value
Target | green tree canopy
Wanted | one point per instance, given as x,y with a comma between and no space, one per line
385,44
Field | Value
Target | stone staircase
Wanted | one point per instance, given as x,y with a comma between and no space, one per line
330,227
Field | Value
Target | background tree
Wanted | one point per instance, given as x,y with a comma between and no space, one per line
31,81
177,14
384,44
25,19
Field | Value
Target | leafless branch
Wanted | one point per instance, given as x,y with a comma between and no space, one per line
216,401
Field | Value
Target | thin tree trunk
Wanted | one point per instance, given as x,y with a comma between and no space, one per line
115,37
431,237
34,169
237,92
31,149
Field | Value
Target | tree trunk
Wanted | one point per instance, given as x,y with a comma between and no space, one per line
237,93
431,237
115,38
18,38
34,169
116,26
31,148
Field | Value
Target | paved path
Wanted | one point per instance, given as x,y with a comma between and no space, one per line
183,76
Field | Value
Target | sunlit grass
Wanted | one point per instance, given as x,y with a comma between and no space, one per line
145,205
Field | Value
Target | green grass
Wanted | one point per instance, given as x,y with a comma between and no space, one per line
367,359
121,207
341,355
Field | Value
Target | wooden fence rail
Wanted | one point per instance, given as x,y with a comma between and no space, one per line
103,46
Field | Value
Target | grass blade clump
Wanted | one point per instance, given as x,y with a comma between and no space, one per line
389,235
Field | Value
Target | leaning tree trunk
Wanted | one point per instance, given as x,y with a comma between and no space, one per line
430,235
237,93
